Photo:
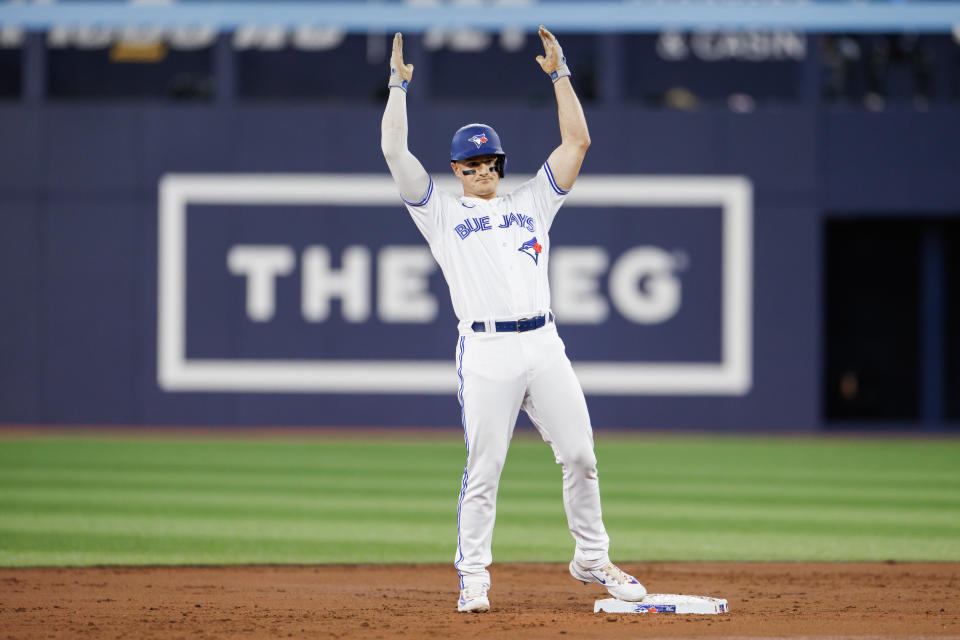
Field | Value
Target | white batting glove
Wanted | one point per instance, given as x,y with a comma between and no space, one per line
553,63
400,74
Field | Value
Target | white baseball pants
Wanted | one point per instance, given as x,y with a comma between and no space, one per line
500,373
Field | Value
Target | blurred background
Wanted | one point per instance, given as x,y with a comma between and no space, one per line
197,226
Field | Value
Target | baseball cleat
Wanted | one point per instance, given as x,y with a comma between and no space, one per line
473,598
621,585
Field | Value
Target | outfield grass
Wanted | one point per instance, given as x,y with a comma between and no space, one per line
82,500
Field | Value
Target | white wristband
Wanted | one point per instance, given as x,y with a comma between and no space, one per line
396,80
562,71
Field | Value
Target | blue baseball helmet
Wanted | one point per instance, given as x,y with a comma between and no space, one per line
477,140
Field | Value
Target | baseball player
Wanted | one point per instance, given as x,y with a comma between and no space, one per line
494,253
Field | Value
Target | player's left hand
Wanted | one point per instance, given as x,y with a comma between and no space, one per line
553,61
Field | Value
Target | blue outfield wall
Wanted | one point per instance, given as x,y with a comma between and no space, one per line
648,286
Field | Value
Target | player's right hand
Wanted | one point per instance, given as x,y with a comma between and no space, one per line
399,70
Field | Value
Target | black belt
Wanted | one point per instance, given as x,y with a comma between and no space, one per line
515,326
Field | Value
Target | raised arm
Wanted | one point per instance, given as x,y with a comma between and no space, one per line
566,159
407,172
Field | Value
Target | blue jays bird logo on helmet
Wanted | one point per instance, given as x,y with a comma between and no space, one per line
479,140
468,140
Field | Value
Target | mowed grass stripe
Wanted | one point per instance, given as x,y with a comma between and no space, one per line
436,488
439,481
218,554
733,457
271,501
728,518
305,525
655,545
511,544
105,502
527,454
225,529
30,549
226,455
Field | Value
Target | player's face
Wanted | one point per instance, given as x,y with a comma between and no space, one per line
478,175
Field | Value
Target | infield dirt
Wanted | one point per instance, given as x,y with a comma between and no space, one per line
528,601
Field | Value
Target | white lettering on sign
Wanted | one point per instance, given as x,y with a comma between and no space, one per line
749,46
575,284
266,38
306,37
261,265
403,278
275,37
190,38
459,40
644,284
468,40
351,283
184,38
81,37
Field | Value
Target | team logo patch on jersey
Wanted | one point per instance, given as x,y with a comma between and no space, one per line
532,248
480,139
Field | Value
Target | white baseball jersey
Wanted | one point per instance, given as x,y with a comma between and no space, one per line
493,253
494,257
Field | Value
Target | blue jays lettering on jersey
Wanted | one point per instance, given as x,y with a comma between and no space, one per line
526,222
473,224
494,253
469,225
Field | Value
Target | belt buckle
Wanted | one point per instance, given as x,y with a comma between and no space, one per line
519,321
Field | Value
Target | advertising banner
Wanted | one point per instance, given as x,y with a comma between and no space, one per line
322,284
